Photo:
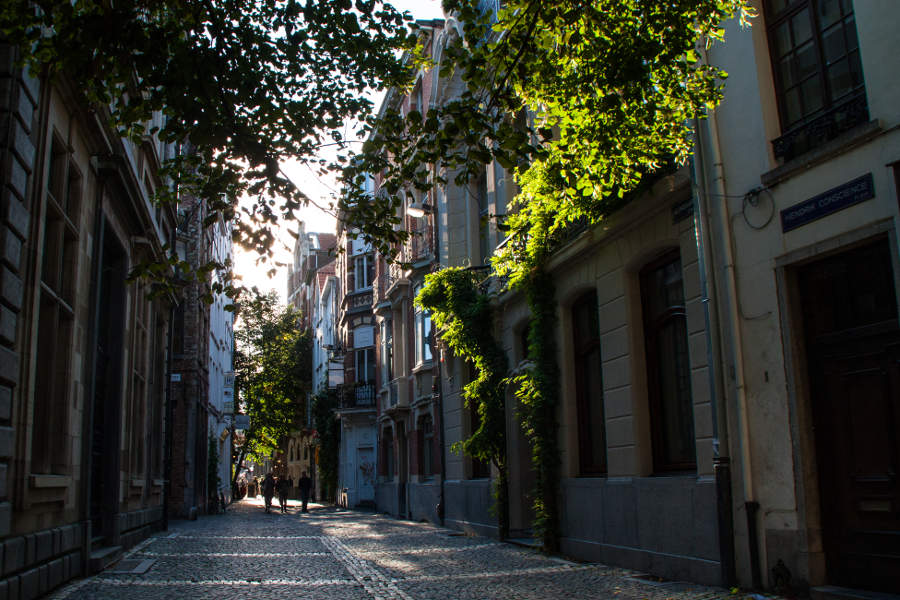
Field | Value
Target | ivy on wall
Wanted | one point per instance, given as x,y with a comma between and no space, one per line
538,394
464,315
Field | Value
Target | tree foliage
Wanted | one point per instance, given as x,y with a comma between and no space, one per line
463,314
250,83
328,428
580,99
273,366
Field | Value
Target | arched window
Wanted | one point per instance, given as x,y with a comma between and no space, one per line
589,385
668,365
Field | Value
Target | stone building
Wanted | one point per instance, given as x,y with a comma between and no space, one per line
355,353
405,370
191,335
83,366
798,176
314,257
221,374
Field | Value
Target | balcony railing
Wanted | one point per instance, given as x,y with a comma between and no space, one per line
419,245
836,121
358,299
358,395
394,396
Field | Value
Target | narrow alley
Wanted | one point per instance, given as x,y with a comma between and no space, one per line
340,554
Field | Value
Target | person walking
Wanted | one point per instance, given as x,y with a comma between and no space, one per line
305,484
283,488
268,488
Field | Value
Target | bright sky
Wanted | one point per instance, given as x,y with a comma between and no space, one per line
319,189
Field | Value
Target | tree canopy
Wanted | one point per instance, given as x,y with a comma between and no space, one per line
250,83
580,99
273,372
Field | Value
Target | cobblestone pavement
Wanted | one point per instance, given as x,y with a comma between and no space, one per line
348,555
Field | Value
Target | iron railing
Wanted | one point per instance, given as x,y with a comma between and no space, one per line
358,395
805,137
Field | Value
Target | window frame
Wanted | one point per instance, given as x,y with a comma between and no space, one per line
775,19
57,288
367,364
584,345
424,353
367,271
653,326
426,447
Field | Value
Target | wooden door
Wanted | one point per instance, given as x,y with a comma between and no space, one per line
858,422
853,344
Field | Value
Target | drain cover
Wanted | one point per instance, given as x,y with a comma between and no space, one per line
134,566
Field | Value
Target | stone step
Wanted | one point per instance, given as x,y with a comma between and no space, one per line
833,592
103,557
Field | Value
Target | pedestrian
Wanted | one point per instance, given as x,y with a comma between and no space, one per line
283,489
305,484
268,487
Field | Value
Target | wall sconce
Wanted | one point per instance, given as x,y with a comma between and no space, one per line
417,209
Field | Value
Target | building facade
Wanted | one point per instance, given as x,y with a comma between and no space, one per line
798,177
221,373
83,378
355,353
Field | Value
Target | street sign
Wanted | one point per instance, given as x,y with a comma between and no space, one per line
176,377
242,421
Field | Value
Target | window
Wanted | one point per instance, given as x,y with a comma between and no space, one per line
426,444
59,258
423,332
668,369
478,190
363,271
365,366
387,445
387,351
140,378
817,69
589,385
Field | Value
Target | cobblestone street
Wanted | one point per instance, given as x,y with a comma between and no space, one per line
339,554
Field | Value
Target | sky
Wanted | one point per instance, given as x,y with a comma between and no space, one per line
251,272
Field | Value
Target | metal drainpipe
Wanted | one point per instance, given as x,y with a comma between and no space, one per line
167,455
721,460
751,506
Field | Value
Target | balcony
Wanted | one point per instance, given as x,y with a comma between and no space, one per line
357,301
358,395
814,133
418,247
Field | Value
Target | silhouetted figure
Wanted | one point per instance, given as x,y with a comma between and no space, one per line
305,484
268,487
283,488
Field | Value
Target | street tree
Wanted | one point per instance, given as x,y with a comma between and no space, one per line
250,83
582,101
273,371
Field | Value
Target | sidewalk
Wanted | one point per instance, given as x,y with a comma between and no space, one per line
333,553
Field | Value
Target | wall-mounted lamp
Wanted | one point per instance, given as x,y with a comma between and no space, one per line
417,209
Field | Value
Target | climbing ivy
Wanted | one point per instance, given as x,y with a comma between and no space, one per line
463,314
537,389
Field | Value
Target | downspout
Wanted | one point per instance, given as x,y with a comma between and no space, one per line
438,390
721,460
167,455
751,506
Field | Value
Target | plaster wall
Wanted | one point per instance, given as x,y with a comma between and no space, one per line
779,440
